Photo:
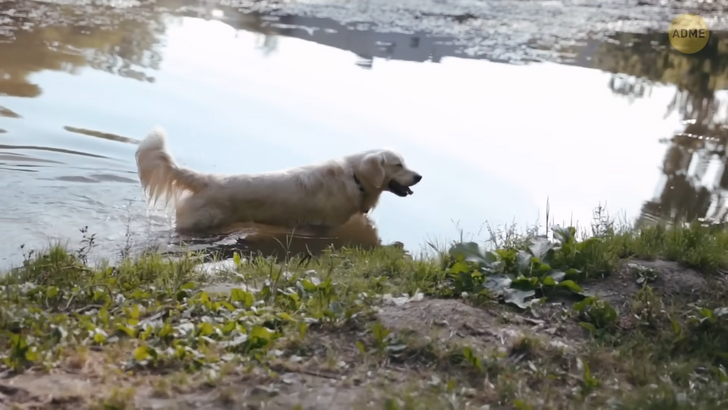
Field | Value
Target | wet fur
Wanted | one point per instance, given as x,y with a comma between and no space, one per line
319,196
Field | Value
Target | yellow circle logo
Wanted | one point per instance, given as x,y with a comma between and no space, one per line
689,33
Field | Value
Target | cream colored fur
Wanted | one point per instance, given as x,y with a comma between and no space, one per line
319,196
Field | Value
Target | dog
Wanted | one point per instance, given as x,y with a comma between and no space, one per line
317,197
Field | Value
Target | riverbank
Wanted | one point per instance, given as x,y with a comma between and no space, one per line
632,319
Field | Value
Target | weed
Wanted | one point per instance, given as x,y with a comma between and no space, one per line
154,326
597,316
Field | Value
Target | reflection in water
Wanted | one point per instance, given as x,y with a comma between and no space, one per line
694,182
4,112
104,135
43,39
367,45
61,150
359,231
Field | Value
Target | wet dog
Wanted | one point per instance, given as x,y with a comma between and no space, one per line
317,197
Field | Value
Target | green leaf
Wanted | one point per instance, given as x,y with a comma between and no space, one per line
542,267
572,271
166,330
497,283
521,405
582,246
466,281
241,296
564,235
236,259
523,261
206,329
229,327
134,314
557,276
139,294
579,306
327,284
525,283
31,354
541,248
360,345
570,284
52,292
104,315
676,329
285,316
129,331
464,251
227,306
261,333
141,354
588,326
99,337
460,267
309,286
188,286
19,343
490,257
548,281
518,297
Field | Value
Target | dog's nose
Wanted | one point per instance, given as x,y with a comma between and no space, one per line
417,178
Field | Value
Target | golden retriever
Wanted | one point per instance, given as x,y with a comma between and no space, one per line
316,197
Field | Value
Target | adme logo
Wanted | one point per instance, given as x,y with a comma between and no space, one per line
689,33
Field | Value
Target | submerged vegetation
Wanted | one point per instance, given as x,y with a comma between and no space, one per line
628,319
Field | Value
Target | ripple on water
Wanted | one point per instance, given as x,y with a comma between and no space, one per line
8,113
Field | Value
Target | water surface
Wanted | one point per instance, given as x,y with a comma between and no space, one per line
627,122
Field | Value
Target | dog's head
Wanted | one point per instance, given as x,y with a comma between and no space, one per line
385,170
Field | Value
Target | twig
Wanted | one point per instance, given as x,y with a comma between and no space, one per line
281,368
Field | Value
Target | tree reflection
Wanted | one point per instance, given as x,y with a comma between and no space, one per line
65,39
695,176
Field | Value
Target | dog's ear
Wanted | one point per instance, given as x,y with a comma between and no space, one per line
372,166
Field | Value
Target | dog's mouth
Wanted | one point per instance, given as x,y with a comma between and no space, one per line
398,189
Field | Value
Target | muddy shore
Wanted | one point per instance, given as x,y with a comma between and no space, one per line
511,31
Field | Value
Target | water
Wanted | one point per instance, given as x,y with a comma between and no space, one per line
597,121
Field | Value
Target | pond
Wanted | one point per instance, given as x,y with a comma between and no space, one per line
624,122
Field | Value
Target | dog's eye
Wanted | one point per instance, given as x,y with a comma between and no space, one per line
398,165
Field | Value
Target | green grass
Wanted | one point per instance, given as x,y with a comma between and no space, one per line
285,332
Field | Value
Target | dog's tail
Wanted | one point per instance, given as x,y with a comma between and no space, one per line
160,176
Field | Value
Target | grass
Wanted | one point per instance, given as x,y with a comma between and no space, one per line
475,327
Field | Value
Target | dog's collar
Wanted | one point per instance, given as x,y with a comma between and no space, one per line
358,183
363,194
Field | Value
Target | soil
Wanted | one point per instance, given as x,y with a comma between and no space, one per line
672,282
455,322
